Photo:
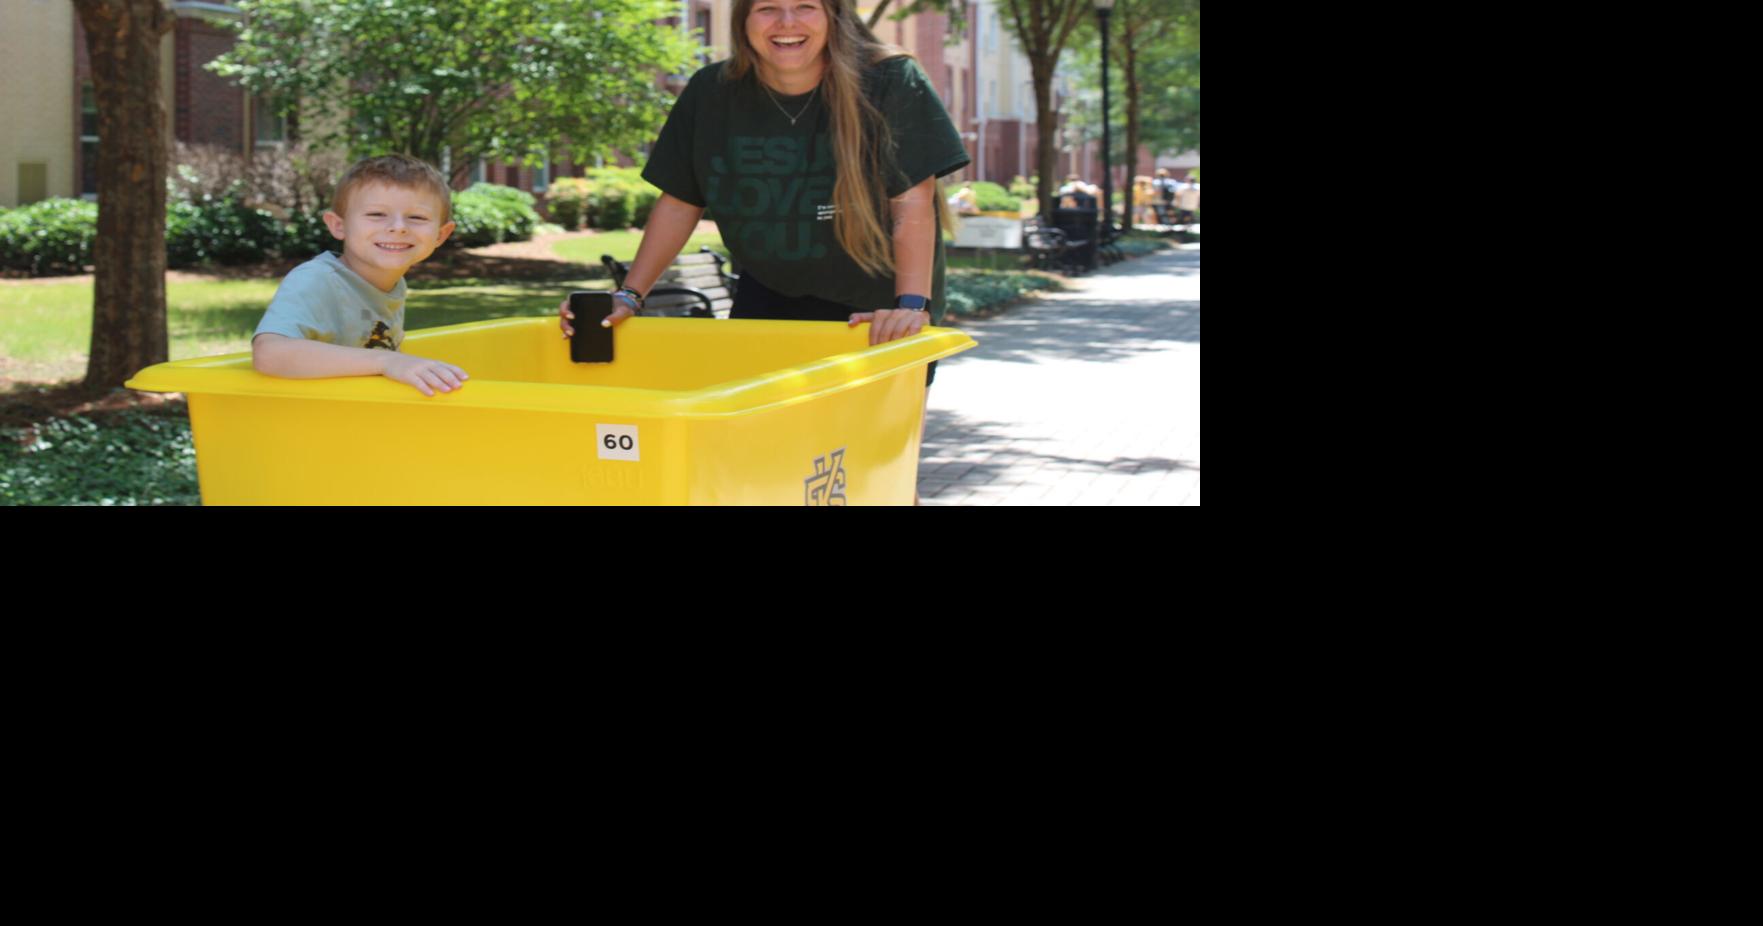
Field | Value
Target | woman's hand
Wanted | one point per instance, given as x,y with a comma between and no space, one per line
891,324
622,308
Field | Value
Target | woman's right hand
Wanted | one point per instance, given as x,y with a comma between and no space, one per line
622,308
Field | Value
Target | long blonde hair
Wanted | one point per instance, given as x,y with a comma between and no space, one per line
860,137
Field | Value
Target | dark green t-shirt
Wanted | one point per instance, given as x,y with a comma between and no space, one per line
769,183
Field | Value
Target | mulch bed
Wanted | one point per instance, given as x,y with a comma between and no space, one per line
26,404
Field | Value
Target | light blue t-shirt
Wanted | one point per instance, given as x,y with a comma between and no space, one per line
323,300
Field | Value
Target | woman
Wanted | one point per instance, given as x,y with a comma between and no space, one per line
818,150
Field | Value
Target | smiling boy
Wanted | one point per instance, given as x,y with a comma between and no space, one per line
344,316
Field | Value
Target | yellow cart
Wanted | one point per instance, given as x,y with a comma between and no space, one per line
692,412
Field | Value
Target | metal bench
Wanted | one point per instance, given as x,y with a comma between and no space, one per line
1046,246
694,286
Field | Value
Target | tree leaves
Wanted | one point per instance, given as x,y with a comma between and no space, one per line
490,79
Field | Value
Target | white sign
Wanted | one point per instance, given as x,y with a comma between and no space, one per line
617,442
986,232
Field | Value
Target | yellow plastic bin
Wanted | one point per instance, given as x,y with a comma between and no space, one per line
692,412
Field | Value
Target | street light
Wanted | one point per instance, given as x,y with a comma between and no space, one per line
1103,8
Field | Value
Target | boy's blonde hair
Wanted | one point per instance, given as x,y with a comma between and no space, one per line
399,170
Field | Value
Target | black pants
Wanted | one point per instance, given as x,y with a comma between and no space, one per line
754,299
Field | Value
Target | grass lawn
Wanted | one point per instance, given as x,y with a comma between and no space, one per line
622,245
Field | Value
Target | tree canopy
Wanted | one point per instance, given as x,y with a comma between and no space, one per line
495,79
1155,71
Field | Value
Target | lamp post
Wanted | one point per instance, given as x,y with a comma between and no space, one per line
1103,8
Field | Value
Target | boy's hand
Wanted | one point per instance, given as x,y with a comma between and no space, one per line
424,374
621,310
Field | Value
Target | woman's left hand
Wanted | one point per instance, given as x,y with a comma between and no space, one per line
891,324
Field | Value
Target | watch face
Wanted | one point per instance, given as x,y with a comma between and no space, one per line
910,302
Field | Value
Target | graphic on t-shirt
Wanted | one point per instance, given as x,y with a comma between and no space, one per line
381,337
826,488
762,182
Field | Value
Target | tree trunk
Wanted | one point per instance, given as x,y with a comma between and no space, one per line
1130,53
875,17
1046,128
128,301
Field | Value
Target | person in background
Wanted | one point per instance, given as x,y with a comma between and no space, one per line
965,201
1166,189
1187,201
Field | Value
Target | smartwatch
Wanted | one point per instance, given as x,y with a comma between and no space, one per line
911,301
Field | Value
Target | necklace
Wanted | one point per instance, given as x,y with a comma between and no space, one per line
780,106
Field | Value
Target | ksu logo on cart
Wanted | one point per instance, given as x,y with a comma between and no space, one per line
826,488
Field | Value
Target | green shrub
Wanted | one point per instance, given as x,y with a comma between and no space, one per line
1137,245
134,457
613,206
491,214
306,235
971,291
220,231
621,198
51,237
567,201
994,198
1022,189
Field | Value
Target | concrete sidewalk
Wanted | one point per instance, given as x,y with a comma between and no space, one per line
1087,397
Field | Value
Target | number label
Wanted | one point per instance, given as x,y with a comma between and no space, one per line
617,442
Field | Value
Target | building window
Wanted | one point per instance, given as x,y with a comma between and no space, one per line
88,141
270,127
477,171
703,24
542,176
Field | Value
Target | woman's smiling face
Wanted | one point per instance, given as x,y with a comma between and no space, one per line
789,36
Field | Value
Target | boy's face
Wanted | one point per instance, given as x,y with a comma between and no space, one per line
388,230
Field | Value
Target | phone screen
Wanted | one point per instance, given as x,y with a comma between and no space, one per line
591,343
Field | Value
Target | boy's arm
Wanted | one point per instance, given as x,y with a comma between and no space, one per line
299,358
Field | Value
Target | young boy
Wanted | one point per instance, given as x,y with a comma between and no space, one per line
345,316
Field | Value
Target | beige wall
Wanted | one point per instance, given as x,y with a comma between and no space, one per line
37,102
719,32
39,93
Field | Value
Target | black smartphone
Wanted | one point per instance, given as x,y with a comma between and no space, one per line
591,343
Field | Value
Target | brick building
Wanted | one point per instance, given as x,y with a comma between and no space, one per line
50,146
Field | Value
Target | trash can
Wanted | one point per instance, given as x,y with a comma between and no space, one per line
691,412
1079,223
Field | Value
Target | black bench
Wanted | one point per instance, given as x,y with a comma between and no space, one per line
1046,246
694,286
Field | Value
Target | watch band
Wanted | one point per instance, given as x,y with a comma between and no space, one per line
636,297
911,301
